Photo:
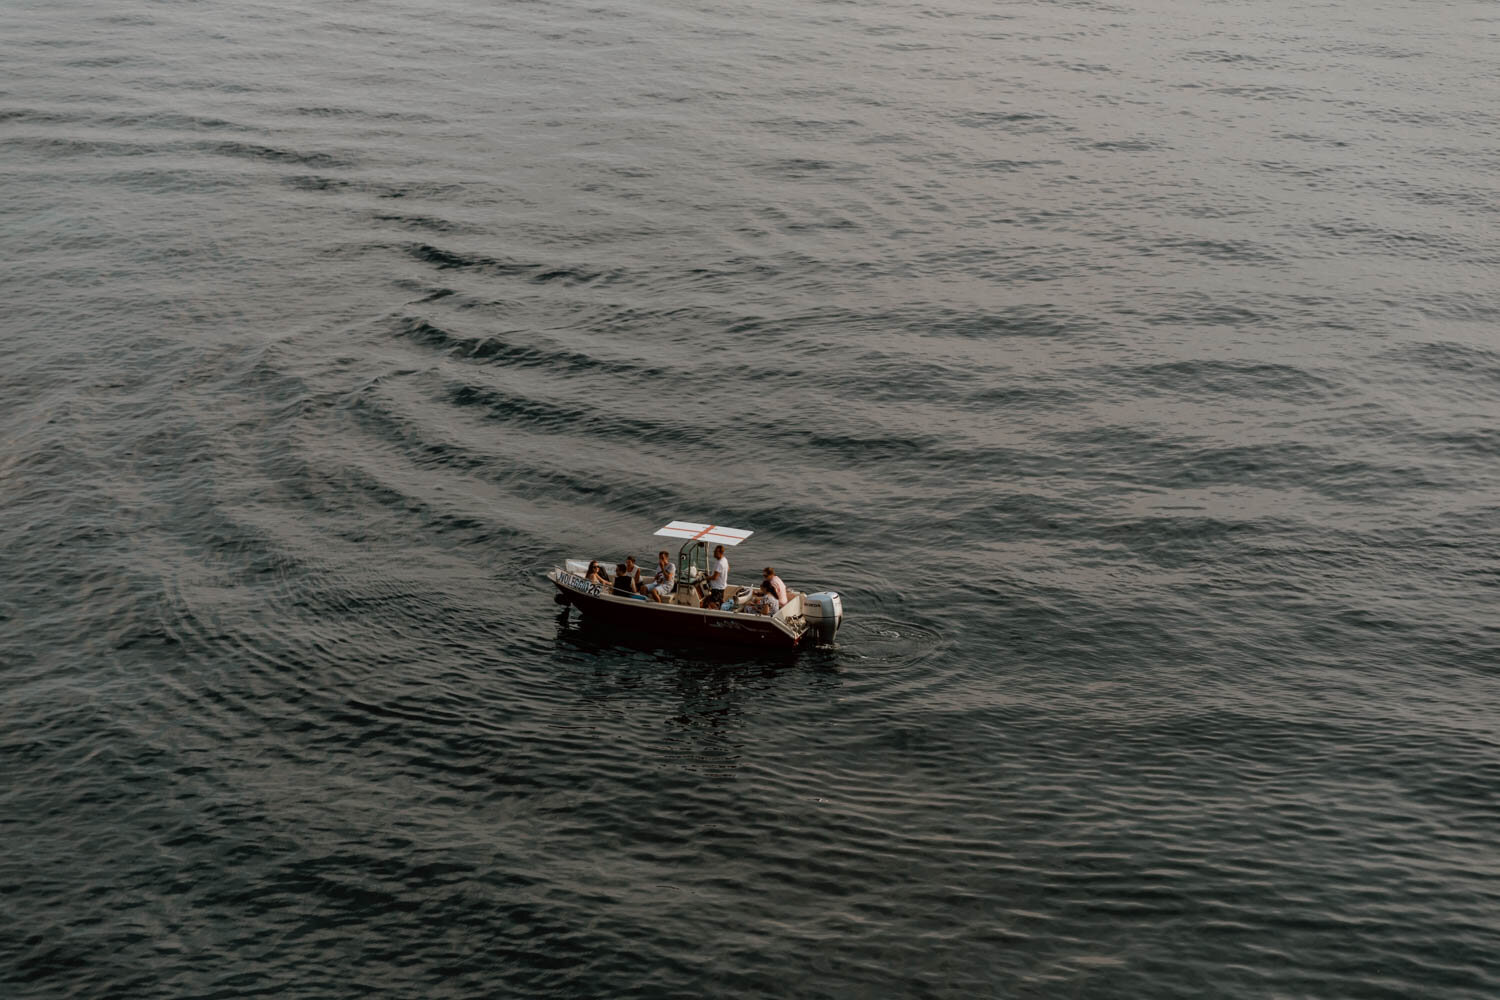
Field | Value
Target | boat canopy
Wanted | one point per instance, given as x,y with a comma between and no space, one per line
705,532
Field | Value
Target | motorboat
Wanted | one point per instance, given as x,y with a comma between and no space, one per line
803,619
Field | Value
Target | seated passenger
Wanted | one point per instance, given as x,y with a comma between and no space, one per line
596,573
777,587
634,572
764,602
665,581
624,585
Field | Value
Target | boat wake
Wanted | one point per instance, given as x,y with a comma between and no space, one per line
888,639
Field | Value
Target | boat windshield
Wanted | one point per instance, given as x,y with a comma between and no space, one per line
692,559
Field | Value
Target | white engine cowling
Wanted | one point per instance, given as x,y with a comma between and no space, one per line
824,613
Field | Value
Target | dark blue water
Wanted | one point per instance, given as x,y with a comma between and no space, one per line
1133,370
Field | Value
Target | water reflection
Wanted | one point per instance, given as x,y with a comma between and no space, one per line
692,704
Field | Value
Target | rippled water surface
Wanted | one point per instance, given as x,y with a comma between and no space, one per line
1132,369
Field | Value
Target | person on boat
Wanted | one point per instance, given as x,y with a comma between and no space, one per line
660,589
777,587
718,578
634,572
764,602
596,573
624,585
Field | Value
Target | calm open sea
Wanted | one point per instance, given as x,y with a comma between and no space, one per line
1132,368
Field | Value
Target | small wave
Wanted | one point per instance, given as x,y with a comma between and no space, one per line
1013,166
60,147
1221,56
271,154
1030,398
172,120
874,448
446,259
165,181
1448,357
1266,92
1123,145
311,182
889,635
1010,121
1381,239
1016,321
801,168
1456,370
498,350
1212,379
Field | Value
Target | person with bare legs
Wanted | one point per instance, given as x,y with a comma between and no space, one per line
665,581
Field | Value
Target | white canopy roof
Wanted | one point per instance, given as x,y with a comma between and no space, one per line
712,533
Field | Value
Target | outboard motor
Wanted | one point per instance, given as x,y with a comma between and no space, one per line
824,612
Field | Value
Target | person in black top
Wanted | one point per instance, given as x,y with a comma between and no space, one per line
624,582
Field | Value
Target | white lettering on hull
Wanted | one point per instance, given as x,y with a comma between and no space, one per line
578,583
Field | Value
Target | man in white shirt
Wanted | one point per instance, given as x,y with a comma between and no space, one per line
718,578
666,578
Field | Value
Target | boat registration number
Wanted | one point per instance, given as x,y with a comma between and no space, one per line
579,584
